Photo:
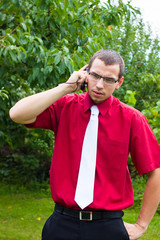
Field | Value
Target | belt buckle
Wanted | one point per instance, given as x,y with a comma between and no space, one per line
85,219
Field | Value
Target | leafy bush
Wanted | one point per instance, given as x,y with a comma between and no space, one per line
28,161
42,42
141,55
153,116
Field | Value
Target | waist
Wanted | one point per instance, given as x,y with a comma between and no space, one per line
88,215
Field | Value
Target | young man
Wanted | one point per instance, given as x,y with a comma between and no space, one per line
121,130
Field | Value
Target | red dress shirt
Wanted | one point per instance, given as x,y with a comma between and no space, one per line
122,130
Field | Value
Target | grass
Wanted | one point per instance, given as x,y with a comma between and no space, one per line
23,214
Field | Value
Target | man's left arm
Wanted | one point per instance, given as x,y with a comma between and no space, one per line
150,204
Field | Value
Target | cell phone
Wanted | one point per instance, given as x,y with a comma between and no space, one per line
84,85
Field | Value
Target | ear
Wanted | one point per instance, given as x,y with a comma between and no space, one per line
120,82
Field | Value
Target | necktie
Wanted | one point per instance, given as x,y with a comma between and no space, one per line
85,184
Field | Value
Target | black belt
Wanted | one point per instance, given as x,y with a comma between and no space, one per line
88,215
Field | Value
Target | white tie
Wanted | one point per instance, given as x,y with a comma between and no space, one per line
85,184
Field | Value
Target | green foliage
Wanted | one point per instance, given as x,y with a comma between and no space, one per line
153,117
41,44
130,98
141,55
22,162
52,36
3,94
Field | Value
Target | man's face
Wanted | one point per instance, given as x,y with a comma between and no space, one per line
98,90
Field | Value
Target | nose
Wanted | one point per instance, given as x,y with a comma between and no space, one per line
100,83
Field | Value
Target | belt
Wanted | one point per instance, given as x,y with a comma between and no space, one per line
88,215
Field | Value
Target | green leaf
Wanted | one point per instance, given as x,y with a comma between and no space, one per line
35,72
39,40
89,48
21,48
41,51
47,70
79,50
57,59
24,26
4,93
62,67
2,16
80,10
13,56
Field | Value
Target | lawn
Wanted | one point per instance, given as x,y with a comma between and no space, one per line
23,214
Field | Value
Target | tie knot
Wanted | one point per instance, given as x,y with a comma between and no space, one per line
94,110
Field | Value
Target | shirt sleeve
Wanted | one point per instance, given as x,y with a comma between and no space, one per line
144,148
49,119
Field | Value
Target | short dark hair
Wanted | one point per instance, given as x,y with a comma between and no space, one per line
109,57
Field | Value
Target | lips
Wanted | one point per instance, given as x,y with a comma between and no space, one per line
97,93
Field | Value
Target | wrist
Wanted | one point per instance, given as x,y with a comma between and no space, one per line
67,88
142,224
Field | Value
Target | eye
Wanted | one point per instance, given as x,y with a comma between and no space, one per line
95,76
109,80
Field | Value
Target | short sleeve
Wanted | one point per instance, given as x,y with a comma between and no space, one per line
49,119
144,148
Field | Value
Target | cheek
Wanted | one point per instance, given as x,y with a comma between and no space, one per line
117,86
90,85
112,90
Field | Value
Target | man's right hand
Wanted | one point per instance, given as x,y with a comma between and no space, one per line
27,109
76,79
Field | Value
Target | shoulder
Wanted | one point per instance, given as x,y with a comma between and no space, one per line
127,110
74,97
69,100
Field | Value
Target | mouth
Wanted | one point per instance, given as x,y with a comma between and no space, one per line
97,93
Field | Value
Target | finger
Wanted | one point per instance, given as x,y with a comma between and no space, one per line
82,78
84,67
127,225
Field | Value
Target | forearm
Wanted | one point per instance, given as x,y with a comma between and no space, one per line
27,109
150,203
151,199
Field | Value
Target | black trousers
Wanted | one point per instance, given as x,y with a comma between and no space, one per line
62,227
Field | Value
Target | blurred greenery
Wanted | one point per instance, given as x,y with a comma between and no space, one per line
41,44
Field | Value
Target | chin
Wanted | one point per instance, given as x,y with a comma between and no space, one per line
96,101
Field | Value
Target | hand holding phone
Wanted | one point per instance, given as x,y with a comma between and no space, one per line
78,79
84,84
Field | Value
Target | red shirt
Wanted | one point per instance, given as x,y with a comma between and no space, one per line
122,130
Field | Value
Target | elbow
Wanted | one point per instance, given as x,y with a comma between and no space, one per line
17,116
13,115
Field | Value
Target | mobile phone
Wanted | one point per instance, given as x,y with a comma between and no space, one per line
84,84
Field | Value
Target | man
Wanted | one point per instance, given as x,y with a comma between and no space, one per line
121,130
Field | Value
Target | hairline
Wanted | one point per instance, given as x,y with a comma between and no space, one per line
116,59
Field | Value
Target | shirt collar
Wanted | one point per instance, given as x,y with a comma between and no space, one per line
103,106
